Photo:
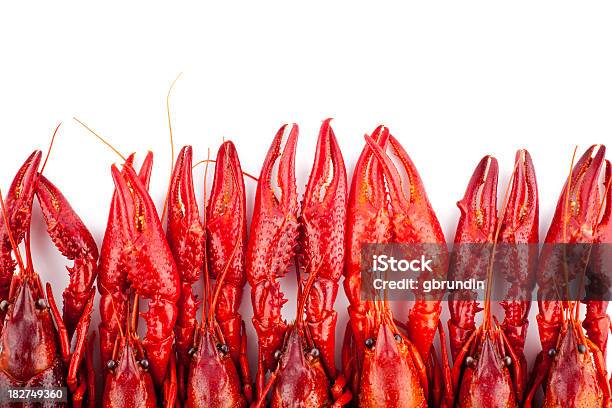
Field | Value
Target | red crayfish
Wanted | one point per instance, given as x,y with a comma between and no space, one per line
489,364
210,354
136,263
300,356
35,341
388,367
571,365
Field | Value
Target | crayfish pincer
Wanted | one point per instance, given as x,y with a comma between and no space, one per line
384,207
35,341
136,263
211,355
571,368
299,357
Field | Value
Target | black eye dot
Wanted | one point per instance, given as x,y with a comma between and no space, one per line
552,352
398,337
315,352
192,351
41,303
111,364
4,305
223,348
369,342
507,361
144,363
469,361
277,354
582,348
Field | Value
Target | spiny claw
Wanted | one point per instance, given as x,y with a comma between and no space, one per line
273,241
413,218
576,224
479,205
75,242
519,223
367,221
186,239
150,266
18,202
328,174
367,187
226,243
322,243
185,231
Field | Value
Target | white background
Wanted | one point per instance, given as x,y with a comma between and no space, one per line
452,81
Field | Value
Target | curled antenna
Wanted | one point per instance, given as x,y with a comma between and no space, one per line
93,132
50,147
163,216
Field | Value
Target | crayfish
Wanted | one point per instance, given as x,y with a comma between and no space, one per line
489,364
386,366
35,339
136,263
571,366
300,356
209,354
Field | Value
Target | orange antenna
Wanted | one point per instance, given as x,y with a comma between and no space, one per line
171,142
134,324
170,117
206,274
566,216
10,234
219,282
487,308
50,147
93,132
244,173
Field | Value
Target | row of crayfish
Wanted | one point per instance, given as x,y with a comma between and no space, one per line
193,349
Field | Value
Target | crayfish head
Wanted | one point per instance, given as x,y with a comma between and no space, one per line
573,379
128,383
486,378
389,376
213,379
301,379
28,343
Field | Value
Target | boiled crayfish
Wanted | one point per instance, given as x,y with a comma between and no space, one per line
300,356
571,366
35,340
388,367
136,263
489,364
210,354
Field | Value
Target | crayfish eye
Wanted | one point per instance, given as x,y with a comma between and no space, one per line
582,348
4,305
223,348
507,361
369,343
41,303
397,337
469,361
111,364
144,363
192,351
277,354
314,352
552,352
